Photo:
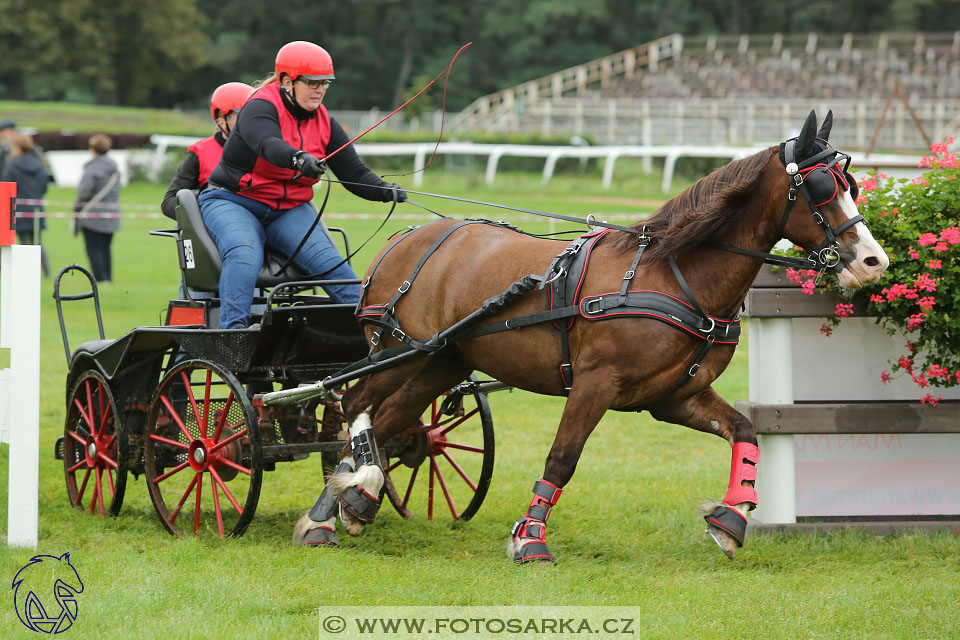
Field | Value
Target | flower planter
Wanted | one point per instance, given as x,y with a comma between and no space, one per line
838,446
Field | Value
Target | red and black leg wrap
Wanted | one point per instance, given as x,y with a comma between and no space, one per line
323,510
729,520
743,468
530,531
363,448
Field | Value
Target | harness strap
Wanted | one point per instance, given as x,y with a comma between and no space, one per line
685,378
683,285
628,276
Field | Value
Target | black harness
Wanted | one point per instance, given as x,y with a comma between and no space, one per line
818,178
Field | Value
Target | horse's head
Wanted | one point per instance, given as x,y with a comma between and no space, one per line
832,231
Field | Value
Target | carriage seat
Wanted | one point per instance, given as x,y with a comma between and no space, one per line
200,259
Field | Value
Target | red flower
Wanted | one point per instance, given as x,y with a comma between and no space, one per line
951,235
940,246
929,399
826,329
913,253
884,377
926,303
926,239
936,264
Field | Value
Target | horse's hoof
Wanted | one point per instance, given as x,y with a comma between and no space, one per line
359,505
532,552
310,533
353,526
724,540
727,527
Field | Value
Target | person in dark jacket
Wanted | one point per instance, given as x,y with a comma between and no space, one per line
25,167
260,193
98,206
203,156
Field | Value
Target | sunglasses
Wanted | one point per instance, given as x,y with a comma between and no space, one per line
315,84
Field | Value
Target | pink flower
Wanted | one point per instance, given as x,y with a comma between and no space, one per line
940,246
926,283
951,235
920,380
929,399
792,275
911,347
926,303
826,329
868,184
911,294
927,238
895,291
938,371
916,320
877,299
808,287
936,264
905,363
844,310
884,377
913,253
920,180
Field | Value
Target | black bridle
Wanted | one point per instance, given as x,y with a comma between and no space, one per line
819,180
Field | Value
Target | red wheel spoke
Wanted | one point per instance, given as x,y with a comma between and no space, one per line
234,465
89,416
176,512
443,487
98,492
109,462
393,466
206,416
104,414
77,437
459,421
83,413
177,418
413,478
172,443
457,468
196,507
113,491
193,400
77,466
224,443
463,447
226,491
176,469
433,469
108,441
83,485
223,416
216,507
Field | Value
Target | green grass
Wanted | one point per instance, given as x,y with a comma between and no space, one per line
626,530
57,116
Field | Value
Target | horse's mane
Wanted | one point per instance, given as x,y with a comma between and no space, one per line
700,213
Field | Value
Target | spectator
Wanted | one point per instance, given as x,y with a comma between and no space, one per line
24,165
97,206
8,129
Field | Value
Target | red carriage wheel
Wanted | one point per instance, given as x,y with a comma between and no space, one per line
202,454
447,464
93,456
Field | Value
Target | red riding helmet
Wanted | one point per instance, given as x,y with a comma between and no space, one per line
229,97
300,59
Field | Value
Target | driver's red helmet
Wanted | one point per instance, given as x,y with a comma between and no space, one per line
300,59
229,97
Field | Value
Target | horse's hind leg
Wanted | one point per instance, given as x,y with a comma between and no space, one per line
354,487
585,406
706,411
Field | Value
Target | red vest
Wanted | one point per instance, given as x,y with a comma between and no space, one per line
273,185
208,151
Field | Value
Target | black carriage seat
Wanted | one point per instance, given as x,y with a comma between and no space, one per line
200,260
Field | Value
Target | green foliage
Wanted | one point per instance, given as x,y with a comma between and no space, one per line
917,221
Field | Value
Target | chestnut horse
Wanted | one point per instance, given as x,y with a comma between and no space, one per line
636,362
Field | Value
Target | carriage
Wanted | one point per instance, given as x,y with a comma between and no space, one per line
178,403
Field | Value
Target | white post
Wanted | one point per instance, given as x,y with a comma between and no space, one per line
771,382
20,422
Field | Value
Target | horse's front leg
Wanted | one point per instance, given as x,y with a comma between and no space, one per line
706,411
585,406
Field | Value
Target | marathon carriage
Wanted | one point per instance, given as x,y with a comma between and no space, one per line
176,403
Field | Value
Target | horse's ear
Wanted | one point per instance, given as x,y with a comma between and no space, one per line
807,136
824,133
65,557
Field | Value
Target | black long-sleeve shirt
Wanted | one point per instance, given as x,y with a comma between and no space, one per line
187,177
257,134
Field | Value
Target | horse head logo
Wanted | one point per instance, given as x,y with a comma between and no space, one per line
31,589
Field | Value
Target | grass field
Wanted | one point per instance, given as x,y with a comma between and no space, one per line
625,530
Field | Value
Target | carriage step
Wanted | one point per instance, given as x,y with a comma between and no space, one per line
58,449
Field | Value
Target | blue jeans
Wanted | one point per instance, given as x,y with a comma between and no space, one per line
242,227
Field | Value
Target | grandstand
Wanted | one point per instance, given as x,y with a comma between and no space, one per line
742,90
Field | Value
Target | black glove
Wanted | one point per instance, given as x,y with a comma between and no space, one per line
394,189
307,165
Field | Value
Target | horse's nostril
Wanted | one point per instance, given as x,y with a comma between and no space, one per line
871,261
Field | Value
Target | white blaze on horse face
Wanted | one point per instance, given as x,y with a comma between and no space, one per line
870,260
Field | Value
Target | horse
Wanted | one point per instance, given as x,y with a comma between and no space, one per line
695,259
